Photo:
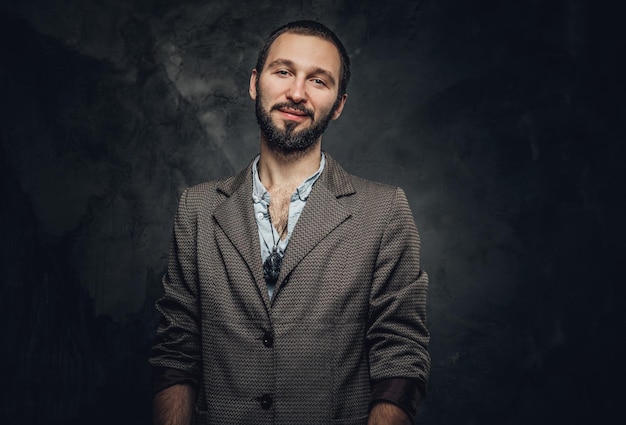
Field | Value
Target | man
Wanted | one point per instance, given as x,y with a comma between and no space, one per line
294,293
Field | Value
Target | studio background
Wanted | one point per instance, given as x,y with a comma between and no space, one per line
503,122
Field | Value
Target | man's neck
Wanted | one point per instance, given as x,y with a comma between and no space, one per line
287,172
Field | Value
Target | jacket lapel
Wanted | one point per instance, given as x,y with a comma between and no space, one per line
322,213
235,216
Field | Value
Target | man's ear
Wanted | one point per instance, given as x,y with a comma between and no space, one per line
342,103
253,82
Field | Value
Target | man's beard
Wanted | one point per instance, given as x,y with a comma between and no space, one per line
288,141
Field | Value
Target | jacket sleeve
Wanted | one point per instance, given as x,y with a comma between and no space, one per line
177,342
397,335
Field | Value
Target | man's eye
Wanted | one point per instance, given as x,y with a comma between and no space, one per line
282,72
319,82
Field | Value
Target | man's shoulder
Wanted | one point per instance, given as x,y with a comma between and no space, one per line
365,192
206,187
342,182
373,195
224,186
368,186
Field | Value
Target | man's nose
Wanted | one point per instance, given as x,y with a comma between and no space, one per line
297,91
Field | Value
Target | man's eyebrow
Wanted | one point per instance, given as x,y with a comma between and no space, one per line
279,62
316,71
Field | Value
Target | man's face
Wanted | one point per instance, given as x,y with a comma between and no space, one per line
296,93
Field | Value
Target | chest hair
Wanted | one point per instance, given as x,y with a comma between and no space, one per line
279,210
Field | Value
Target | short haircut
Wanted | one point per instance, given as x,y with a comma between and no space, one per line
309,28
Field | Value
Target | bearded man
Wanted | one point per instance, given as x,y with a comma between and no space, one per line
294,293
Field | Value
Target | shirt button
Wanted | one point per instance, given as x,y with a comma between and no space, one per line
260,216
265,400
268,340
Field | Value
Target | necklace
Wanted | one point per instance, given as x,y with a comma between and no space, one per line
271,265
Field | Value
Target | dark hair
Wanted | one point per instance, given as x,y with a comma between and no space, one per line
309,28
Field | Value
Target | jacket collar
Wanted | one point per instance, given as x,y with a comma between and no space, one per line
334,177
321,215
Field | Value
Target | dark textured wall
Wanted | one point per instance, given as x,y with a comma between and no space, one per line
502,121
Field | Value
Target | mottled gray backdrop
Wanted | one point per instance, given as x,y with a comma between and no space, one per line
503,121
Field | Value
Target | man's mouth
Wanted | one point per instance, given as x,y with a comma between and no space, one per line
291,113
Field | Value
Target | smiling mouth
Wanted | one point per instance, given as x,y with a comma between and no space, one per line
293,113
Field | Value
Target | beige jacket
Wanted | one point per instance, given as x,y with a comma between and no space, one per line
349,308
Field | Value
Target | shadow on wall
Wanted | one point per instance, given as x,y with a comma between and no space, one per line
59,362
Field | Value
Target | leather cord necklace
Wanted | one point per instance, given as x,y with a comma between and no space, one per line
271,265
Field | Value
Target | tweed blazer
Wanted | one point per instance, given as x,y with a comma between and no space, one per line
349,307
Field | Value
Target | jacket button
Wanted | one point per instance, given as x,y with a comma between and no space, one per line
268,339
265,400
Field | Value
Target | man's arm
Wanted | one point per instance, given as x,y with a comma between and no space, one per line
397,333
175,354
173,405
385,413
